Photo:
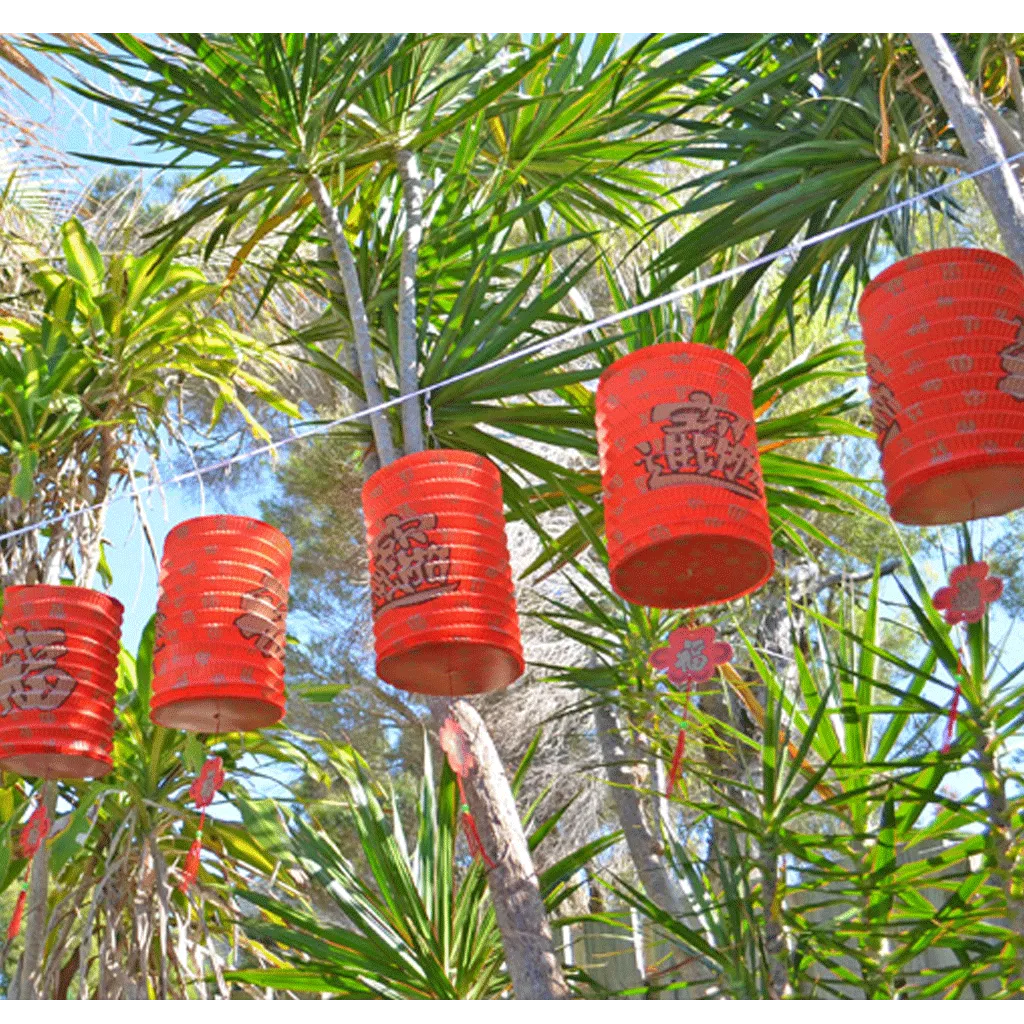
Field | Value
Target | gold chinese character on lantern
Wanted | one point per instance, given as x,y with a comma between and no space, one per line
30,678
1011,360
703,443
265,609
408,567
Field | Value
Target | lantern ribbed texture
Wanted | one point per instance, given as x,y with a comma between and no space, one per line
684,506
944,343
444,603
57,681
219,658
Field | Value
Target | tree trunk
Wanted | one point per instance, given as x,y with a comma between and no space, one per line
774,935
978,137
408,348
357,312
518,906
30,975
645,848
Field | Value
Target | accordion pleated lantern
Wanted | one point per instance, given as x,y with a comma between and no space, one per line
444,611
944,344
58,677
218,664
684,505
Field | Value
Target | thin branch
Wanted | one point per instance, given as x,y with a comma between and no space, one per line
408,349
940,159
357,312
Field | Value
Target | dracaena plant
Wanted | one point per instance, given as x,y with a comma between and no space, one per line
414,920
116,923
842,830
94,376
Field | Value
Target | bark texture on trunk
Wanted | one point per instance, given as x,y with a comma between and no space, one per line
978,137
645,848
357,311
518,906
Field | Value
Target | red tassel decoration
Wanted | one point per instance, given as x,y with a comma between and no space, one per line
677,762
15,926
202,791
954,711
191,869
462,762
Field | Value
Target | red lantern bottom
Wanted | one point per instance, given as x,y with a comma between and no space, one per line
41,761
458,666
200,712
960,489
692,571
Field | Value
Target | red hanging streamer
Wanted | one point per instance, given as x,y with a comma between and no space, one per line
677,762
461,760
954,710
19,908
32,837
202,791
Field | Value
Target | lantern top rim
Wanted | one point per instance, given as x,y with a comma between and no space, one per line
432,457
938,257
49,591
661,350
196,527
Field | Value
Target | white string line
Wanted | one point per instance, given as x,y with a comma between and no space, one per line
510,357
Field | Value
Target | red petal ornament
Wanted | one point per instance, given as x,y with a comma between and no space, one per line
971,590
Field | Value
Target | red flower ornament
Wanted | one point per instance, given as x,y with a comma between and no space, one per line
971,590
692,655
689,660
206,787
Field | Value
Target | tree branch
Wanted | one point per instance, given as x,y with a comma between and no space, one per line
408,348
357,311
939,159
977,136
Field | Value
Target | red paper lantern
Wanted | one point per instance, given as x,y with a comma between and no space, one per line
944,342
684,505
444,610
219,658
58,676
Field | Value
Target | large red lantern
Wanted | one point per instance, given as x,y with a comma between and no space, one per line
444,610
219,658
944,342
57,681
684,504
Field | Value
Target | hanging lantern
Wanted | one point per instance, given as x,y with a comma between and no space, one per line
218,664
58,675
944,344
684,505
444,610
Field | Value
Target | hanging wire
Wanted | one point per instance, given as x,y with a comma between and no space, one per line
793,249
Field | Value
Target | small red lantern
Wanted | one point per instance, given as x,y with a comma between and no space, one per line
444,610
219,660
944,342
58,676
684,504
